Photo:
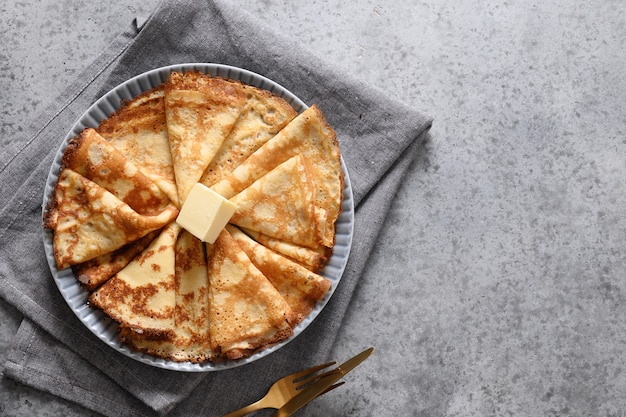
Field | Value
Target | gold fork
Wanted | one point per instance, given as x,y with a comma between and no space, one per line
286,388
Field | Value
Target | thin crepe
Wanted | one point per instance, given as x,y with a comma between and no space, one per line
312,259
262,117
139,132
189,338
142,295
246,311
300,288
83,226
95,272
200,113
281,204
309,134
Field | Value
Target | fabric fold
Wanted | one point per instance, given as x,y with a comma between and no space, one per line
28,362
379,137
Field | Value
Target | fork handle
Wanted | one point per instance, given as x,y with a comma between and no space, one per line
245,410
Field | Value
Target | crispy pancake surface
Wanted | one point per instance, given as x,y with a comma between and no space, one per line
189,338
142,296
200,113
246,311
89,221
281,204
93,157
97,271
312,259
262,117
309,135
120,188
300,288
138,130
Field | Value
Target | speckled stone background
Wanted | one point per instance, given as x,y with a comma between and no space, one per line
498,286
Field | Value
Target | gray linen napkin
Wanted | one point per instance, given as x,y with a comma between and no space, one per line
53,351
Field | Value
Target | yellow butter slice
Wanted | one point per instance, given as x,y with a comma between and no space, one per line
205,213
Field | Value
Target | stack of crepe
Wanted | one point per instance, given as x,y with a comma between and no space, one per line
120,189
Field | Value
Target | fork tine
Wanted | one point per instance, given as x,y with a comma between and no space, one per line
298,376
307,380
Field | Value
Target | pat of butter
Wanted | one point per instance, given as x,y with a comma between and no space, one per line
205,213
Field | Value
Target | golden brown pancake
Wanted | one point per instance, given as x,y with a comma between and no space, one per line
200,113
139,132
312,259
262,117
97,271
189,339
142,296
192,297
89,221
246,312
167,346
310,135
281,204
91,170
93,157
301,288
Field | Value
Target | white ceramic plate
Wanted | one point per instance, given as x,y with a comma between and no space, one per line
76,296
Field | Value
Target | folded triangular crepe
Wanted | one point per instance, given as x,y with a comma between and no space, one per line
246,312
262,117
189,339
89,221
142,296
192,298
281,205
312,259
96,159
200,113
310,135
139,132
301,288
97,271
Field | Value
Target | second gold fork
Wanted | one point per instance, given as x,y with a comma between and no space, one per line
286,388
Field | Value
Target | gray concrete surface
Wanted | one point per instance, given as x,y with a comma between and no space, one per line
498,285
